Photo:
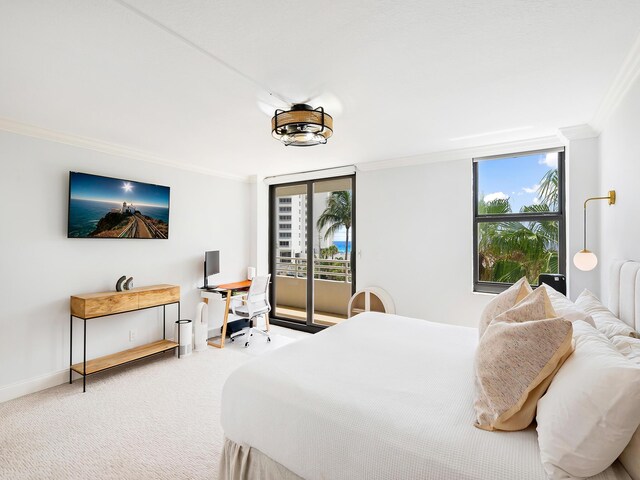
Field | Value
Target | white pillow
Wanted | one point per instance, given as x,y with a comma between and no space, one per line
605,321
591,409
565,308
629,347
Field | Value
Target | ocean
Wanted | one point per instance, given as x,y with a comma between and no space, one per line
84,215
341,244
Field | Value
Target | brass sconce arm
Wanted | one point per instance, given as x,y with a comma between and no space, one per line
612,200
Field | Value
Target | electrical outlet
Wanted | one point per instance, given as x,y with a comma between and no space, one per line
132,335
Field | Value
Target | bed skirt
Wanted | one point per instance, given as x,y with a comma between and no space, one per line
242,462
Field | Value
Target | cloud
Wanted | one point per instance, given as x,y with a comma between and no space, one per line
536,201
495,196
532,189
550,160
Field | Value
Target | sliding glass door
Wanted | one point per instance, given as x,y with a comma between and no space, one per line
289,252
312,237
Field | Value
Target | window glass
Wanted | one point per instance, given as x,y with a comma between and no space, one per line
519,222
508,251
518,184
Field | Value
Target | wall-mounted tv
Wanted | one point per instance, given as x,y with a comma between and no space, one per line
105,207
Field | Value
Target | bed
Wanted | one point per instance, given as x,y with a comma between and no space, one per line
377,397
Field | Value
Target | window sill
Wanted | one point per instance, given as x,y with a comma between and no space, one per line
484,294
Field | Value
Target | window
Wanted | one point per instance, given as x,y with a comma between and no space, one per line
285,200
285,209
285,234
284,218
518,221
284,226
284,243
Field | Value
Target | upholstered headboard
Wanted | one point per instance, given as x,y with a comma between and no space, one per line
624,291
624,301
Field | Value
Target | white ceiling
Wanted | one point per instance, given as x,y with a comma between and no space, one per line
412,76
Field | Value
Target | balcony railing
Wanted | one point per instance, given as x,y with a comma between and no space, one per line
338,270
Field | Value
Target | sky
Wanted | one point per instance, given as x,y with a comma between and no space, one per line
104,189
516,178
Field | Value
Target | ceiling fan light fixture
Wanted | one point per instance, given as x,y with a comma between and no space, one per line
302,126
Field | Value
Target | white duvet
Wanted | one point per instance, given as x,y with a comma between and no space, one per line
376,397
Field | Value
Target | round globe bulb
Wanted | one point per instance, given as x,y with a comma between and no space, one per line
585,260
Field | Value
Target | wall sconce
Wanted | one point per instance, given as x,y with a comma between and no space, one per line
586,260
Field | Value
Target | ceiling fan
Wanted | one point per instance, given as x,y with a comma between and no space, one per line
299,124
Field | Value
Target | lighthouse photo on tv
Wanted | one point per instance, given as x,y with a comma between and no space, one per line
104,207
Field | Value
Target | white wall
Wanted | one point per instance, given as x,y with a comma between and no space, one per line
415,239
620,171
41,267
582,182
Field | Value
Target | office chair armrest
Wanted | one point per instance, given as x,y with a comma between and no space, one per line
236,301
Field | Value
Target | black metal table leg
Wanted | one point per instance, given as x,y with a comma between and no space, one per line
70,348
178,329
164,319
84,368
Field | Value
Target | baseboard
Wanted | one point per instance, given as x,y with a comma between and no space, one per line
32,385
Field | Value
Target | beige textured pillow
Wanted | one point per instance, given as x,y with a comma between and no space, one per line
517,358
503,302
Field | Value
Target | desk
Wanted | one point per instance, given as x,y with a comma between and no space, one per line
229,289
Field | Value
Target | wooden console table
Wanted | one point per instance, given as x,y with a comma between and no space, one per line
96,305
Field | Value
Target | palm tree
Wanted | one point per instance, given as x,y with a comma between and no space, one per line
548,190
337,214
509,250
330,251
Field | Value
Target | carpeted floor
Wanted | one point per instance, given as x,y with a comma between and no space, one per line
155,419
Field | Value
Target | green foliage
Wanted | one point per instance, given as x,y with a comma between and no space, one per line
509,250
337,214
329,252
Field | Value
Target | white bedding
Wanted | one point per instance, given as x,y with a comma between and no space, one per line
376,397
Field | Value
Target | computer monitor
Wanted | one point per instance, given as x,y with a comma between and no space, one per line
211,265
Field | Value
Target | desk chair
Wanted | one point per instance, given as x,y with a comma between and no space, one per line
252,305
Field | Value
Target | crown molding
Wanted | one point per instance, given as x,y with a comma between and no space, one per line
623,81
310,175
577,132
19,128
464,153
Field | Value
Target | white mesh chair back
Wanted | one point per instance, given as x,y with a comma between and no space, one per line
258,296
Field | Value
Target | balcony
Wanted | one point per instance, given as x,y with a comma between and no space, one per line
332,289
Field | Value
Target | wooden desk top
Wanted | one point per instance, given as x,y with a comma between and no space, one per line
235,285
113,293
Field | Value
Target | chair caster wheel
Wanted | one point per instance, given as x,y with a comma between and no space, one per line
246,345
232,339
268,339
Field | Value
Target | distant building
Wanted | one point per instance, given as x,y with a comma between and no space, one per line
291,222
130,208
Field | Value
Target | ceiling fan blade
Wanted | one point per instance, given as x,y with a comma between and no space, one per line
269,104
331,104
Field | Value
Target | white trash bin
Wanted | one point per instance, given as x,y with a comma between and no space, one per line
185,336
